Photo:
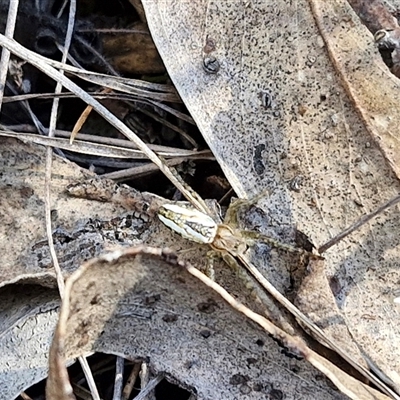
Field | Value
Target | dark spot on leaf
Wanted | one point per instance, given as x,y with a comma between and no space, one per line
205,333
238,379
276,394
151,299
258,163
94,300
207,307
170,318
251,360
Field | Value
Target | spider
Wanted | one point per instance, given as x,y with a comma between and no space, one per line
231,243
224,238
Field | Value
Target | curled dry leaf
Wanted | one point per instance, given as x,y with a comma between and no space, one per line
380,19
321,136
249,348
138,303
377,98
375,14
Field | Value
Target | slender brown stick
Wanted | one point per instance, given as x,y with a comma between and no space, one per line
358,224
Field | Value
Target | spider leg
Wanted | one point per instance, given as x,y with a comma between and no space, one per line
252,236
212,255
267,304
237,204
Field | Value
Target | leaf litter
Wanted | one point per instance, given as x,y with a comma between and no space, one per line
352,186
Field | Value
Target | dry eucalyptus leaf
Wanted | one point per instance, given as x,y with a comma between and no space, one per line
136,304
355,58
82,228
257,78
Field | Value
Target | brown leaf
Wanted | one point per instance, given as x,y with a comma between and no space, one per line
377,98
133,53
374,14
